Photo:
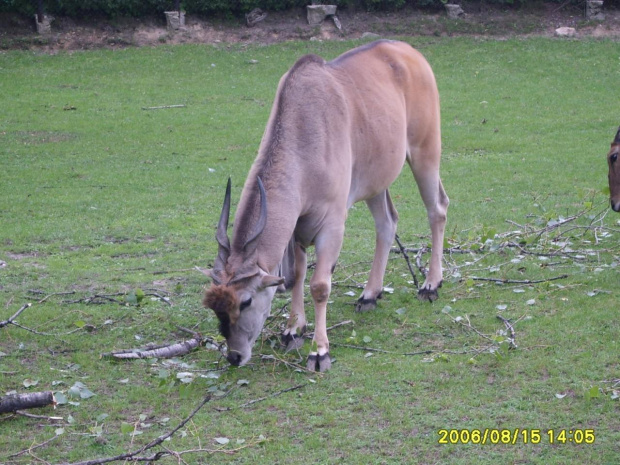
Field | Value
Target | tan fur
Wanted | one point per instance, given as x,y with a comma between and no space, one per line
339,132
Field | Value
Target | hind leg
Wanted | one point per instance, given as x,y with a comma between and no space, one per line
426,173
386,218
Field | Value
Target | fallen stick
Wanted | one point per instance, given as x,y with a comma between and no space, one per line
163,107
10,404
162,351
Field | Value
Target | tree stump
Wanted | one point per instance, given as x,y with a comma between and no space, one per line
594,10
175,20
44,26
317,13
454,11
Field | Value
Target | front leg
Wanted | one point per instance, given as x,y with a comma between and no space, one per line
293,335
328,245
320,360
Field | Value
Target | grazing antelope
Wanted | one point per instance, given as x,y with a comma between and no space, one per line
614,173
339,132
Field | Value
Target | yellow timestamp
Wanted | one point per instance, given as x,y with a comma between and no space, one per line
516,436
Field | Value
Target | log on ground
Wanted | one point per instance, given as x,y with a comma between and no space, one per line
10,404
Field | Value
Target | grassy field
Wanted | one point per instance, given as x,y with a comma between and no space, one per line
104,198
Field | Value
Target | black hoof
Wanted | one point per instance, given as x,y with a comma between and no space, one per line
319,363
292,342
364,305
428,295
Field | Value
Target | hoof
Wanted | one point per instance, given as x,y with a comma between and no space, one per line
292,342
319,363
365,305
428,295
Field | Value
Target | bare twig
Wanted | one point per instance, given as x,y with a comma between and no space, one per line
519,281
98,299
278,359
50,295
418,261
275,394
511,330
11,320
469,326
33,447
160,297
38,417
404,252
337,325
260,399
365,349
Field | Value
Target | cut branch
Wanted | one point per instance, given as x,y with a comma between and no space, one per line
12,319
10,404
162,351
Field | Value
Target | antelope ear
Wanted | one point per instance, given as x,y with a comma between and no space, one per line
205,271
209,273
269,281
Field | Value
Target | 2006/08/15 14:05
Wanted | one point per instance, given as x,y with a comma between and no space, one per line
516,436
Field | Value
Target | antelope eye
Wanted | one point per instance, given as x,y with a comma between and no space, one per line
245,304
613,157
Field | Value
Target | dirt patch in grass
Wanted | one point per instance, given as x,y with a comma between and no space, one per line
70,34
39,137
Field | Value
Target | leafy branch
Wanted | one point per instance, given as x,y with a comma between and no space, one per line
135,455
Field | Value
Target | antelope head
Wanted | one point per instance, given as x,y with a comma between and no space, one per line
614,173
241,292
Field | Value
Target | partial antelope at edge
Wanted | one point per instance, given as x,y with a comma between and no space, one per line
614,173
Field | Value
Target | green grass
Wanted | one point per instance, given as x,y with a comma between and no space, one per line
99,196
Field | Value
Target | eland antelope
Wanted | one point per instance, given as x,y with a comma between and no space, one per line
339,132
614,173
